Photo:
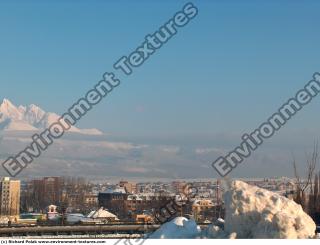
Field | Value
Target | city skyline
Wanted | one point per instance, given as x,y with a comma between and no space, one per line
129,121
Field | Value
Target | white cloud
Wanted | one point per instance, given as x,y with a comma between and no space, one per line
201,151
171,149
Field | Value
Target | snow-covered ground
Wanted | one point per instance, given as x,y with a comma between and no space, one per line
251,212
178,228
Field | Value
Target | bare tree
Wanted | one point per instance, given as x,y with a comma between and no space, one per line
304,185
315,195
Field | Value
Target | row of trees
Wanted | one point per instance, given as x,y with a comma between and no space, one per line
37,195
308,189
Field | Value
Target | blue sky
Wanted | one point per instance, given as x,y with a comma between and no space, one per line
224,73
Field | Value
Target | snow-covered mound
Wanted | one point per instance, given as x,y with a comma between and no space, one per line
216,232
178,228
31,118
252,212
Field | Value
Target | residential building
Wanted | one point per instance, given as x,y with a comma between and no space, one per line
9,197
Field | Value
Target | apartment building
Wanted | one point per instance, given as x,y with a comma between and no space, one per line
9,197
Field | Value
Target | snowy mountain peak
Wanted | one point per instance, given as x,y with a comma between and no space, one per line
34,107
34,114
22,109
31,117
7,109
6,101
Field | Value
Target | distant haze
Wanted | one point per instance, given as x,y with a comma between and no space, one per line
221,76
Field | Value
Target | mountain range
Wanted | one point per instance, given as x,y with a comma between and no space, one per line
31,118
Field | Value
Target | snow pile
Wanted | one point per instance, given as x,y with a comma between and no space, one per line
252,212
102,214
215,232
178,228
74,218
